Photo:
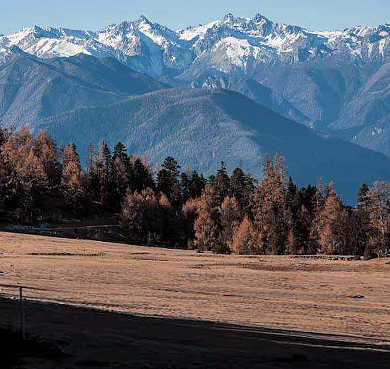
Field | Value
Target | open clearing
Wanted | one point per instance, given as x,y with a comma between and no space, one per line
350,298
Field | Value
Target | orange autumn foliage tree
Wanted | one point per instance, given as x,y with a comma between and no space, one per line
271,213
231,216
333,223
244,239
207,223
25,172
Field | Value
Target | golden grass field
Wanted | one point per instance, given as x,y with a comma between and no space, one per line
340,297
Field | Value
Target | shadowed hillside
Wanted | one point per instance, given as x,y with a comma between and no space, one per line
200,128
32,89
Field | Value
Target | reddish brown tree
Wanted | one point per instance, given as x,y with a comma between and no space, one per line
244,239
139,216
190,212
271,213
46,150
231,216
206,226
25,173
378,206
333,223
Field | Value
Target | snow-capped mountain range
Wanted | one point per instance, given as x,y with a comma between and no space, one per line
159,91
227,44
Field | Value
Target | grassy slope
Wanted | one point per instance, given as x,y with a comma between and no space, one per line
279,292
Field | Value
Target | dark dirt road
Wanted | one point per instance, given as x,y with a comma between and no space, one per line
69,337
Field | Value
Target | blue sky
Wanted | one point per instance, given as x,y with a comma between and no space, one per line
96,14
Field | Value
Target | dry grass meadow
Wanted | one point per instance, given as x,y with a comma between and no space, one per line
337,297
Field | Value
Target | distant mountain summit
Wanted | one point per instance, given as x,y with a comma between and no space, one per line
163,92
238,42
324,78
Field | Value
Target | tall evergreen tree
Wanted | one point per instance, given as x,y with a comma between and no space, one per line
93,169
222,183
140,176
168,182
197,185
185,184
362,200
105,175
307,197
360,221
71,179
120,152
119,176
238,185
292,198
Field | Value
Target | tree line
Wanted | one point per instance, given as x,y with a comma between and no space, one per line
40,181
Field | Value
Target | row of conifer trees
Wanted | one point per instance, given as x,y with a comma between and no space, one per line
222,213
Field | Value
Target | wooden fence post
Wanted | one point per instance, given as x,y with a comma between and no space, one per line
22,315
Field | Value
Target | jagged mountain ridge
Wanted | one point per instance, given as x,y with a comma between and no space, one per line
202,127
245,42
320,78
84,99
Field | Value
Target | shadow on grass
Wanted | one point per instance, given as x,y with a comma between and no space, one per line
15,350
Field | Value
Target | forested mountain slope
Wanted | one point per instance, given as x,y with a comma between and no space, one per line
202,127
32,89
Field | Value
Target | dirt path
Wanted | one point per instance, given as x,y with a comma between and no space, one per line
77,227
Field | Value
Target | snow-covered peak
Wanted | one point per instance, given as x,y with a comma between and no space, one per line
28,34
191,33
151,47
228,17
155,49
31,34
260,18
143,19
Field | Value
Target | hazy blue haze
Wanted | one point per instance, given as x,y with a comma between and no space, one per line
96,14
